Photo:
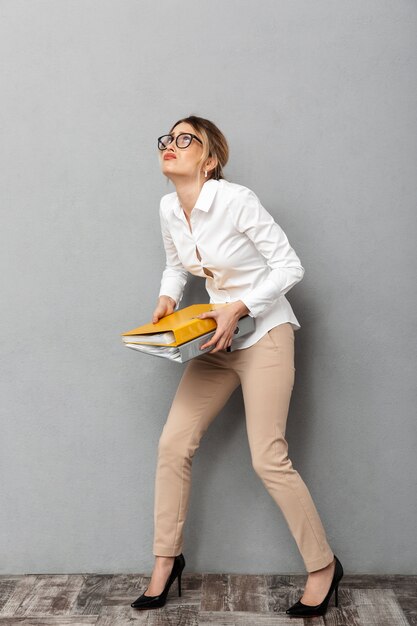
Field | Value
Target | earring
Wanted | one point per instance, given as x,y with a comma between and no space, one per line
205,173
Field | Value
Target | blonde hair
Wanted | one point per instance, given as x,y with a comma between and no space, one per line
214,143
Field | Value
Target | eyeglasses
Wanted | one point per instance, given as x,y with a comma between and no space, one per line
182,140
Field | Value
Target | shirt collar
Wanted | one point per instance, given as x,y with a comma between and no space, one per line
205,198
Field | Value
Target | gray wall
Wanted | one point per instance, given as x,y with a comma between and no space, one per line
318,102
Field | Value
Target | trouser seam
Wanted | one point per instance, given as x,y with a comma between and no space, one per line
300,500
179,504
183,465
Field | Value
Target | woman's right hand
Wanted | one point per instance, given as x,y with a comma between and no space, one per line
165,306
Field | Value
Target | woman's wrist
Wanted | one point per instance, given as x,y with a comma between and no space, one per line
169,298
240,307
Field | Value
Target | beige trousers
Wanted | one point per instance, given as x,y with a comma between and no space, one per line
266,373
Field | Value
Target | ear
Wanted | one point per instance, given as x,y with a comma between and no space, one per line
211,163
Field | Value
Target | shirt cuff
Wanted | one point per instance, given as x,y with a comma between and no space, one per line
277,284
172,291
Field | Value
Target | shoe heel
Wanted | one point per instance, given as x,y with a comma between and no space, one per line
153,602
303,610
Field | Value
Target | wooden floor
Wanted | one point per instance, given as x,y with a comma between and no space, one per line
207,599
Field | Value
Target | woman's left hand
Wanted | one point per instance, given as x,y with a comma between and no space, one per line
226,318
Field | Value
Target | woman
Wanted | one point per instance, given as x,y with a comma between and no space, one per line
219,230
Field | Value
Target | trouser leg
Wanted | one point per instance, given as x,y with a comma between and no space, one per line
203,390
267,376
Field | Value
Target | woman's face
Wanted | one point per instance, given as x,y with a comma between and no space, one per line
185,161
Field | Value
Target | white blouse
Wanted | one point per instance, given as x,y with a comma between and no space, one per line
235,244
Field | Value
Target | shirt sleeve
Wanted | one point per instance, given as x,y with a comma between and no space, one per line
174,276
252,219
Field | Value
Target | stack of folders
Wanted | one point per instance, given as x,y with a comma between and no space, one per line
178,336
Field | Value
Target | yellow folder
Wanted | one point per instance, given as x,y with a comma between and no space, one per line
182,323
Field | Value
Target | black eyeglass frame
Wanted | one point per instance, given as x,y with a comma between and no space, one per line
176,140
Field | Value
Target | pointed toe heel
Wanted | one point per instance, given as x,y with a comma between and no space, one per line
154,602
304,610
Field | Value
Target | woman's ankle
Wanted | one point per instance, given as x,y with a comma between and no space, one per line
164,559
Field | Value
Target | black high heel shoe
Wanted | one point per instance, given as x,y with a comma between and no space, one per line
154,602
304,610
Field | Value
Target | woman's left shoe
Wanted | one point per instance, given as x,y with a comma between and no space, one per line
154,602
304,610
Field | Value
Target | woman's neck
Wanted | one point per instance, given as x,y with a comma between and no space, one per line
187,194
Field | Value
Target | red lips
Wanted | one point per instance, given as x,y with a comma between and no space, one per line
169,156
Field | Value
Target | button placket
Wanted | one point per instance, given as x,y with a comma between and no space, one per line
191,234
206,271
